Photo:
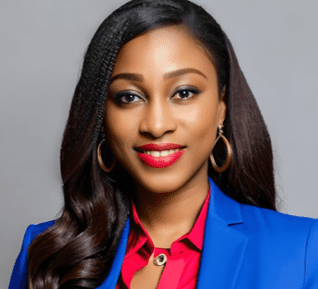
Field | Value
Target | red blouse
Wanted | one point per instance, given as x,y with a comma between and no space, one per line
183,258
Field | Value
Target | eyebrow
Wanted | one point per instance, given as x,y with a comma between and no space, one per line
168,75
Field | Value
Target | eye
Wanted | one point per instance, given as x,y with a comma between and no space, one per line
185,93
127,97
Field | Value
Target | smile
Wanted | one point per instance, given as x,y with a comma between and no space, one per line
160,155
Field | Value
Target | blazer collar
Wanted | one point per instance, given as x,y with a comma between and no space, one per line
223,208
224,242
111,279
223,248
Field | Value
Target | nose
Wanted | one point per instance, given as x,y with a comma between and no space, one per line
157,119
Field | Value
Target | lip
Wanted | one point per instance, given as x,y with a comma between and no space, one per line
159,162
159,147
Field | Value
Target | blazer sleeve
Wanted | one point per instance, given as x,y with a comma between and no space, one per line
20,270
19,273
311,261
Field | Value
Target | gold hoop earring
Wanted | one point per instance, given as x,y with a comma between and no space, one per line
100,159
229,152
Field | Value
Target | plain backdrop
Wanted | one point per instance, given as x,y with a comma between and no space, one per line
42,44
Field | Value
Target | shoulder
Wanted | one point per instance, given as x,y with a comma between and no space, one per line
19,273
287,237
277,228
285,242
33,230
312,255
259,223
276,223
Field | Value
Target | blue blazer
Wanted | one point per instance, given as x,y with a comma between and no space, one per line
244,247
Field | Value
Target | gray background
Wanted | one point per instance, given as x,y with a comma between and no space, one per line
42,43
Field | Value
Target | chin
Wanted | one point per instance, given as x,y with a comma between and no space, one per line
161,184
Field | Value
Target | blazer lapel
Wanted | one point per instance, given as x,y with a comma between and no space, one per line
224,244
223,248
111,280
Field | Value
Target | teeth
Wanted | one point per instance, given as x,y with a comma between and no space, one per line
161,153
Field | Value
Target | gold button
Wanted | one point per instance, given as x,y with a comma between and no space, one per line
160,260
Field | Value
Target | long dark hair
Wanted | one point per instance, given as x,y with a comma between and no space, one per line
78,250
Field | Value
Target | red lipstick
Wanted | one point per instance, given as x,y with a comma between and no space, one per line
159,147
159,161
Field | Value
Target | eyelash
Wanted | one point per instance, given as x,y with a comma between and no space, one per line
191,90
121,95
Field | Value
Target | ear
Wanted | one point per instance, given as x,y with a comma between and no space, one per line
222,107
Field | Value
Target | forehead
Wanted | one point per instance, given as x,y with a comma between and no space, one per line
165,48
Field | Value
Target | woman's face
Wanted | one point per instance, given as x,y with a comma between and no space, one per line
163,110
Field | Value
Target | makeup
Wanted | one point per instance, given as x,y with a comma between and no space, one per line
160,155
161,119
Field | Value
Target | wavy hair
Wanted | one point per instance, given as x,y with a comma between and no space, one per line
78,250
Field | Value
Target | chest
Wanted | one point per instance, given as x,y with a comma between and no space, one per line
147,277
162,269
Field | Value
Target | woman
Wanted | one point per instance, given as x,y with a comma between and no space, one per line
167,169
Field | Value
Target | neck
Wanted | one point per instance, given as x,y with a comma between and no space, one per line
168,216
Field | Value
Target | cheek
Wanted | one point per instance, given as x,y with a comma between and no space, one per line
120,129
201,121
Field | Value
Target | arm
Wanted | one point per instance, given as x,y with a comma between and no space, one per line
20,270
19,273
